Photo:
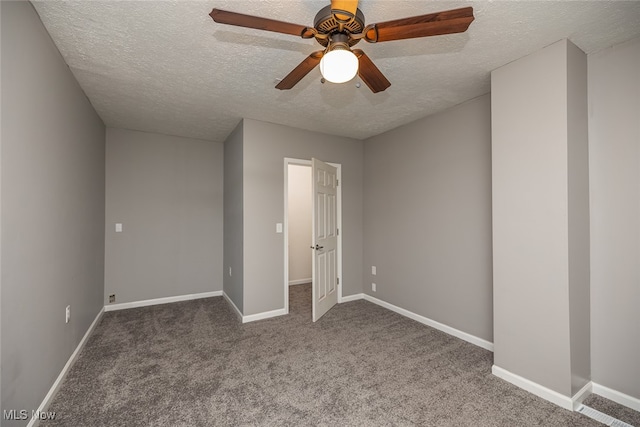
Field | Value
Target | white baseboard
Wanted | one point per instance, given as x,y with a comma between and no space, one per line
158,301
581,395
434,324
233,306
570,403
300,281
265,315
565,402
253,317
350,298
616,396
65,370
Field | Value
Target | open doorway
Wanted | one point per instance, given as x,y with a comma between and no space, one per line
299,237
299,226
299,265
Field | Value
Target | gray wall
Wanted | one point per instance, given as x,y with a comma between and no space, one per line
167,193
537,150
265,147
234,217
427,217
53,156
614,139
578,222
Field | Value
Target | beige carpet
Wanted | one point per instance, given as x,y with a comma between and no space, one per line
193,364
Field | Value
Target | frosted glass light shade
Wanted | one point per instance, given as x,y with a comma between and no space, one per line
339,66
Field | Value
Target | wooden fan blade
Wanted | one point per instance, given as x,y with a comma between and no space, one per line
249,21
433,24
300,71
370,74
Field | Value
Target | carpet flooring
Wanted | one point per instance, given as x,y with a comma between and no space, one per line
193,364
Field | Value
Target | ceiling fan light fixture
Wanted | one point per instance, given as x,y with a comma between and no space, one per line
341,25
339,65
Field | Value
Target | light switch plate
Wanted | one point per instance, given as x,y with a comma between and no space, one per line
118,227
373,270
279,227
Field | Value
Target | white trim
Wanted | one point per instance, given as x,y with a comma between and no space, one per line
581,395
300,281
265,315
157,301
253,317
616,396
286,231
65,370
340,229
434,324
350,298
233,305
568,403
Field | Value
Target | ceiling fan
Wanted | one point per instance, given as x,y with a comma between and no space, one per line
340,26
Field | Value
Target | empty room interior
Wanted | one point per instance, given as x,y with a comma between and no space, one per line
202,225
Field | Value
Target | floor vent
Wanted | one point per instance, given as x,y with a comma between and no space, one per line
601,417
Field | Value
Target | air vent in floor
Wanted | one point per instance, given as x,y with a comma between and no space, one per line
601,417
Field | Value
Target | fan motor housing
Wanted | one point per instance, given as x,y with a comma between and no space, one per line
326,23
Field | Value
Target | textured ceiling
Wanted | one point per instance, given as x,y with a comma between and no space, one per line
166,67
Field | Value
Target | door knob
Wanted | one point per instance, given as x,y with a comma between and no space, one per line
317,247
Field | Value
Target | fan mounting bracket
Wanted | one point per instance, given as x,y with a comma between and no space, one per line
326,23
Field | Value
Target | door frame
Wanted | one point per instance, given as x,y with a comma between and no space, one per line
301,162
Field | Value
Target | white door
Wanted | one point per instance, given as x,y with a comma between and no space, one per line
324,238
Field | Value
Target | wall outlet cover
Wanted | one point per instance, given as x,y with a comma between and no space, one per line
112,298
373,287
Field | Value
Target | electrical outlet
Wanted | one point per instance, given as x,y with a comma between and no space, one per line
67,314
373,270
373,287
112,298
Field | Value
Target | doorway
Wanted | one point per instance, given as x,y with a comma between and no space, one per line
298,236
